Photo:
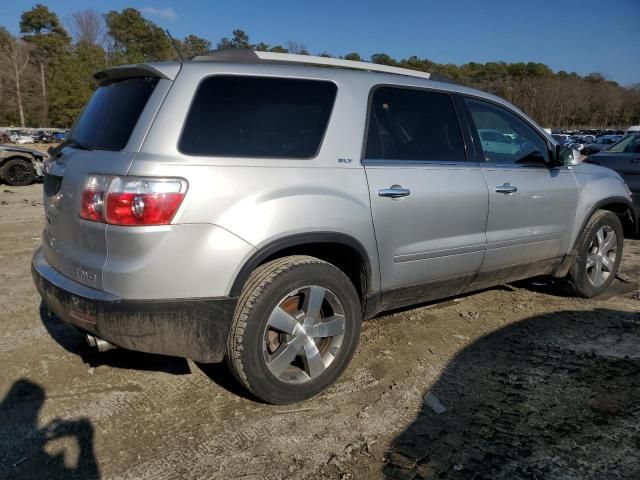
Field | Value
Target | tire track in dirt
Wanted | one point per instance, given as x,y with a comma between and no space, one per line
261,442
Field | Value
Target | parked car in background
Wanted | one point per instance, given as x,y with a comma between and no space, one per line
245,206
575,145
43,136
60,136
21,138
498,142
585,139
578,142
561,138
633,129
624,158
20,166
601,143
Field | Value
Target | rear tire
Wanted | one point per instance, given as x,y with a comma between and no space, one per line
295,329
598,255
18,172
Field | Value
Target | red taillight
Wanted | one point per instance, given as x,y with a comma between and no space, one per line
131,200
92,205
142,209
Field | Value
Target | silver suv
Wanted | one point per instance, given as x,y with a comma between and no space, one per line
249,207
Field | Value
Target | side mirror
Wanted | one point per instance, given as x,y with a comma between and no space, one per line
566,156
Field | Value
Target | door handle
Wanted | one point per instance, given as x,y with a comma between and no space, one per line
395,191
507,189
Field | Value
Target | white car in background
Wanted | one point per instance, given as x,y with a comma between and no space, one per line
21,138
561,138
499,142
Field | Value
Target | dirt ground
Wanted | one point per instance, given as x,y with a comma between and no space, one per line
513,382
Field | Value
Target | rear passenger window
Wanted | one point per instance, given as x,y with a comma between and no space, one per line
505,138
410,124
258,117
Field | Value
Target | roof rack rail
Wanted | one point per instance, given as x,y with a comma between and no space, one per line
243,55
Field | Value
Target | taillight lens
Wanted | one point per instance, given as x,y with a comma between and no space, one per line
131,200
93,198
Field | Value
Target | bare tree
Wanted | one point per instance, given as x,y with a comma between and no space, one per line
297,47
14,58
88,26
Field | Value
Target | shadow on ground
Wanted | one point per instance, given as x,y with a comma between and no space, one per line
553,396
557,288
23,444
73,341
220,374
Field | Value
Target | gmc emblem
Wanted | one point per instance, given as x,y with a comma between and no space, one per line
86,277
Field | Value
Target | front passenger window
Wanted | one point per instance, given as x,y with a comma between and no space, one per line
505,138
634,145
629,144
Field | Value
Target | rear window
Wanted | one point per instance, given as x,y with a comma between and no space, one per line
258,117
108,119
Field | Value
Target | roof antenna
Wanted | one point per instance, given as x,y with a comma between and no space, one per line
175,46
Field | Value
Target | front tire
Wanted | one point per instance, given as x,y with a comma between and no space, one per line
18,173
295,329
598,255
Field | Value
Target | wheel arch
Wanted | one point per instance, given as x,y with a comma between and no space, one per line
4,160
339,249
621,206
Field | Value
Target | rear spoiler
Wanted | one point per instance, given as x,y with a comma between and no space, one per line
167,70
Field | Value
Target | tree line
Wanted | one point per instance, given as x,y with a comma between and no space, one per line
46,71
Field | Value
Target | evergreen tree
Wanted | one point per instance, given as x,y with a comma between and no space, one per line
136,39
42,29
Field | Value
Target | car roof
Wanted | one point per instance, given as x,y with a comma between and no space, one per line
344,75
339,71
270,63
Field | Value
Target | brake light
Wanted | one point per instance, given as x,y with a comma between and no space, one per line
131,200
93,198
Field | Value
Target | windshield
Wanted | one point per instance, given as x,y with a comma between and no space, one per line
110,116
629,144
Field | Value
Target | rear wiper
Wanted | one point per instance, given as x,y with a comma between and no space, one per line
69,142
74,143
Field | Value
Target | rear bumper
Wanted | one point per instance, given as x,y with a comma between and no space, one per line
195,328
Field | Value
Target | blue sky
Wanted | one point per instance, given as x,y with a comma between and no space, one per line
573,35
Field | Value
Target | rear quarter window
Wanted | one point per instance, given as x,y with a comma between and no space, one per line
238,116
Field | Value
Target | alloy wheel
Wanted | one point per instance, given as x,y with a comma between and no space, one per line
601,256
304,334
18,173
